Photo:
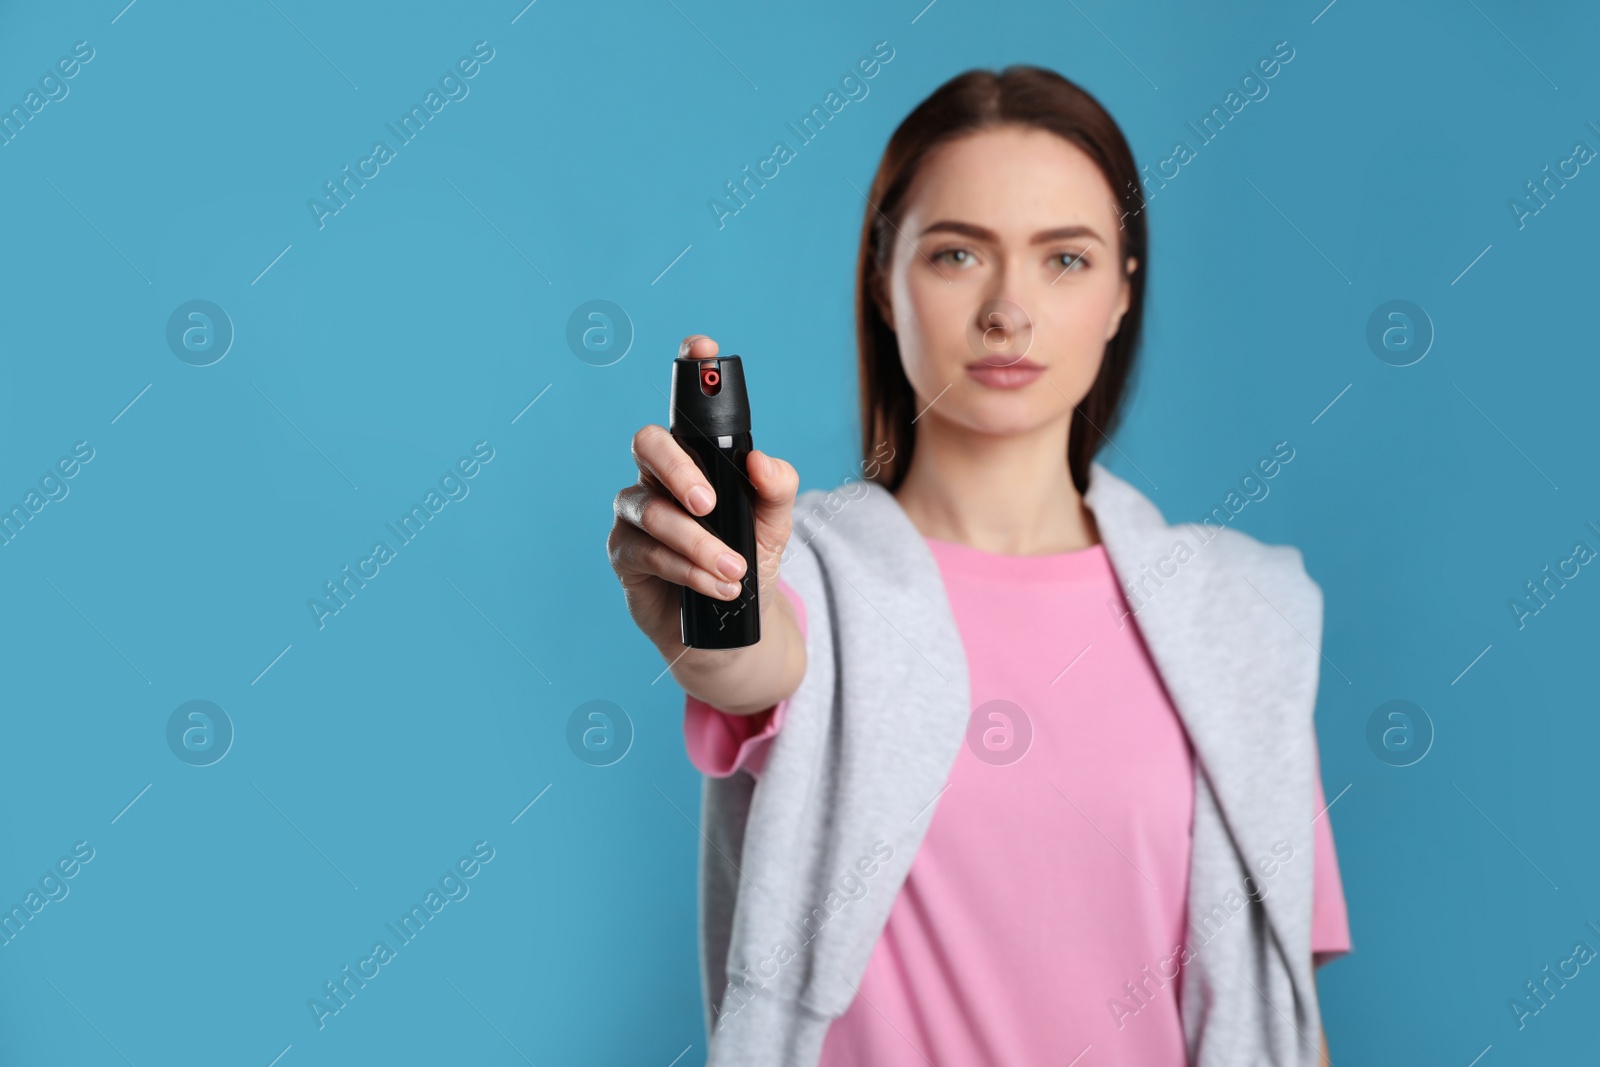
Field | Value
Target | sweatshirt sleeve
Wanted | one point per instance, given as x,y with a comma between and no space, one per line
1330,924
720,744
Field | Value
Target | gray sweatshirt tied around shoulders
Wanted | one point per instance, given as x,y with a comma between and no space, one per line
798,870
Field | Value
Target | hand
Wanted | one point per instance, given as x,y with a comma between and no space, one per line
656,544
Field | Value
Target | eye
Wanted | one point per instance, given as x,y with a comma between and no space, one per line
948,255
1072,262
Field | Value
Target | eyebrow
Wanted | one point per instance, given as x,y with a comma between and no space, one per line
1061,233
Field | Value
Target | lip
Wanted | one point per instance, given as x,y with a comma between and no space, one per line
1004,372
1006,361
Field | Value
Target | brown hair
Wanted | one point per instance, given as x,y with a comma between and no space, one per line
975,100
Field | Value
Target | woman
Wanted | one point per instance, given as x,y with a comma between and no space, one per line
1017,773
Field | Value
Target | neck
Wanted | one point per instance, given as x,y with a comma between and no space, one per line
1005,493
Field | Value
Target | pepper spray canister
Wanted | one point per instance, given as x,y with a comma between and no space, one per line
710,419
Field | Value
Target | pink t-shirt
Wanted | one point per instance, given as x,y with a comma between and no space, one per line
1045,908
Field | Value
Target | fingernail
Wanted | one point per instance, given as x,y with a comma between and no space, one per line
730,565
699,499
728,589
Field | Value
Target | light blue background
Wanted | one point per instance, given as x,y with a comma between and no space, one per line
425,317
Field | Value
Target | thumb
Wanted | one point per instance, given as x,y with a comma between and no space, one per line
775,482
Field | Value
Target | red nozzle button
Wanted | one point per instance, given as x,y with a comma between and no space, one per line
710,379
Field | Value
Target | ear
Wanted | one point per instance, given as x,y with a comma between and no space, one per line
1124,298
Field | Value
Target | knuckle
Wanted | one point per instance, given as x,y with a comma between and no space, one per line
621,544
627,504
621,559
649,557
654,513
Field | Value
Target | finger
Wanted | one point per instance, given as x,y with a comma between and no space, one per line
775,482
636,552
697,346
662,518
661,457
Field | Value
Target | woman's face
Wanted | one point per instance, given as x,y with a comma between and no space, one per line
1006,254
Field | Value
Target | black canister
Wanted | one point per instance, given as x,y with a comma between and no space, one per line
710,419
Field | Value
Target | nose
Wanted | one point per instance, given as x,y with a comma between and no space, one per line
1002,321
1001,328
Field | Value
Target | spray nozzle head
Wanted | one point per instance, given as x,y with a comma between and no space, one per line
708,397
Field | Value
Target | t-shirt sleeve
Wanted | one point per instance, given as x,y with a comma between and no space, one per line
719,743
1330,923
